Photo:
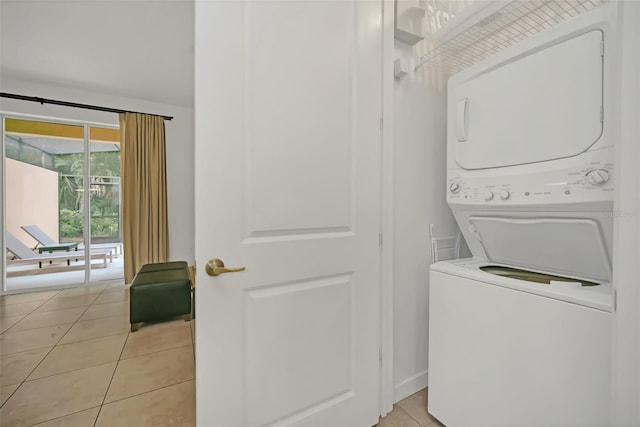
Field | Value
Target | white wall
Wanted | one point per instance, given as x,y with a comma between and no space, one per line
179,137
419,193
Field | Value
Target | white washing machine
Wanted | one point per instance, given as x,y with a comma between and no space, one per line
520,334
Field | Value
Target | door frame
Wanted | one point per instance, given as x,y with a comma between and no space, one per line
625,345
387,237
86,180
3,263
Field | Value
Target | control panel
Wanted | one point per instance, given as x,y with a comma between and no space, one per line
590,183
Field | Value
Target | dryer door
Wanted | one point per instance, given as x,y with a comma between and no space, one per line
542,105
563,246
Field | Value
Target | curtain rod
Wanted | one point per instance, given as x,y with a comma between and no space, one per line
73,104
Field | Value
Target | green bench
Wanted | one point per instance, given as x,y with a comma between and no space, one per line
160,291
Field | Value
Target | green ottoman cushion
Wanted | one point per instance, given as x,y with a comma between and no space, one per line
159,295
162,266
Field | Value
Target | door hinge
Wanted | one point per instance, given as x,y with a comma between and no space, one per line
615,300
602,48
381,123
601,114
380,354
380,239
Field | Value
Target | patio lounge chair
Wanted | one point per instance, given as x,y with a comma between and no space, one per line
24,255
45,243
50,245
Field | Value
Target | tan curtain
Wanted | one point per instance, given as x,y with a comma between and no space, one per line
145,234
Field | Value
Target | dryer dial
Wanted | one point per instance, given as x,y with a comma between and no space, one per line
488,195
597,176
504,195
454,188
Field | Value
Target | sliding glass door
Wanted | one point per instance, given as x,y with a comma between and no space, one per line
62,203
104,200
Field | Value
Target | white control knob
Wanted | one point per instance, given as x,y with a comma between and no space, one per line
597,176
454,188
504,194
488,195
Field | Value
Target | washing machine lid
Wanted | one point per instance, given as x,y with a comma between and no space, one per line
542,105
561,246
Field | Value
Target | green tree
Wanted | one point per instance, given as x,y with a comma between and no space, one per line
104,193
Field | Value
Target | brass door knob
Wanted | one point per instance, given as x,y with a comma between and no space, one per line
215,267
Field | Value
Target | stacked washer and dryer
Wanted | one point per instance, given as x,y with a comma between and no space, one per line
520,333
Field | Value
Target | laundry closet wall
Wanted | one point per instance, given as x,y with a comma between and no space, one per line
419,200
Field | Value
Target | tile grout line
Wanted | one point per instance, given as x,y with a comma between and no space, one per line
190,344
62,416
112,376
48,311
26,351
68,372
44,301
128,334
83,313
56,345
12,393
45,356
42,327
76,322
46,326
52,347
30,372
17,315
64,287
149,391
88,320
153,352
50,350
24,293
413,418
139,394
31,312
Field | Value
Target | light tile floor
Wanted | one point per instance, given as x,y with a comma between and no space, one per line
410,412
67,359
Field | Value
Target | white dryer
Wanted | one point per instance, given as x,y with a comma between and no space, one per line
531,178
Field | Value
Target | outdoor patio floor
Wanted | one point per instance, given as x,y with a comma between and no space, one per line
66,277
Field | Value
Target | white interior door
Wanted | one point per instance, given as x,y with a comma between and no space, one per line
288,107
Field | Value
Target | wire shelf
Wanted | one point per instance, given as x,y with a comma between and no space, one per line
516,21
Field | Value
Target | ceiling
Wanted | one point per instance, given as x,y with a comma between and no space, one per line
135,48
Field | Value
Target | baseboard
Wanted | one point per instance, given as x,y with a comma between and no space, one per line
410,385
